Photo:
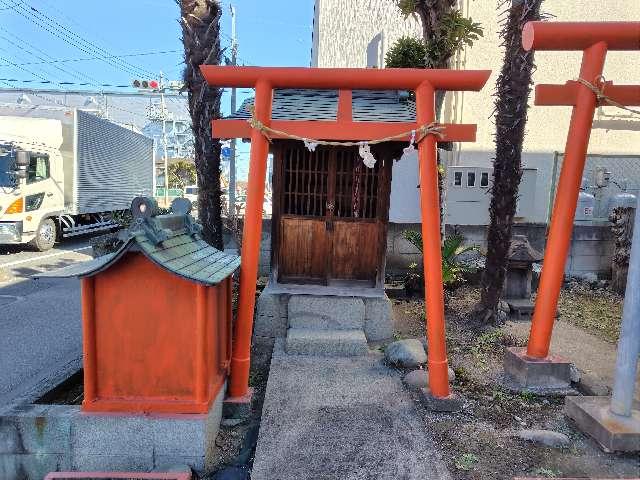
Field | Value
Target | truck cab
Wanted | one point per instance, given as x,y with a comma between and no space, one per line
31,184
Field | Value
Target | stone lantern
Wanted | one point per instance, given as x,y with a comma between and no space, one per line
517,287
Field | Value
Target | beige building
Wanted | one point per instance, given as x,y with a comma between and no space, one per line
358,33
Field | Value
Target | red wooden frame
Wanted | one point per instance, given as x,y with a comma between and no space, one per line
594,39
424,83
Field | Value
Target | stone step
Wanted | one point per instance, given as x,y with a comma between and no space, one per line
326,343
325,312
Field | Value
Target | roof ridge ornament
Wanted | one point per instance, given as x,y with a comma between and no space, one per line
149,221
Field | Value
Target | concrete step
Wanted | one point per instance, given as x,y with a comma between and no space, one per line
326,343
325,312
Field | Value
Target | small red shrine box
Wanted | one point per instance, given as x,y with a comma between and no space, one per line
156,317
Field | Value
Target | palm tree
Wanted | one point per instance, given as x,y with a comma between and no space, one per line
512,95
444,31
200,22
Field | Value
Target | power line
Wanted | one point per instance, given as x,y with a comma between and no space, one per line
84,59
77,42
67,72
79,84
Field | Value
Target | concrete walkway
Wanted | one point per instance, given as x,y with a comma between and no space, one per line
342,418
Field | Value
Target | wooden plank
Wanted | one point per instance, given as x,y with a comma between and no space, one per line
345,109
341,131
355,251
302,247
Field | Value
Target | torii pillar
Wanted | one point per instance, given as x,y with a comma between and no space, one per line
424,82
533,367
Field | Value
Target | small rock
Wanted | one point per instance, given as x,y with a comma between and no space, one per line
545,437
417,379
504,306
407,353
231,422
589,277
501,316
574,373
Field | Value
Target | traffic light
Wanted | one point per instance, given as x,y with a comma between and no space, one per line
146,84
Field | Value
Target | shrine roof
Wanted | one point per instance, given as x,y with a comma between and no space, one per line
170,241
368,106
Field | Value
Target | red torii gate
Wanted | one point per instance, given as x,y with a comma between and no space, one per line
424,83
594,39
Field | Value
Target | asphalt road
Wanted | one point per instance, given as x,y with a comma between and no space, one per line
40,329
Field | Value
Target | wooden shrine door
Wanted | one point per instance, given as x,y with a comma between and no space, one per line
330,216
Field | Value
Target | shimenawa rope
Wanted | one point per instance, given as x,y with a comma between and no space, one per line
601,97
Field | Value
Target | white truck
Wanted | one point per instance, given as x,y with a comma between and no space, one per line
67,172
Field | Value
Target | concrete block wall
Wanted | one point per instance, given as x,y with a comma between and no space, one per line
38,439
591,247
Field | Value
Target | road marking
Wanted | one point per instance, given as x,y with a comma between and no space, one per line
35,259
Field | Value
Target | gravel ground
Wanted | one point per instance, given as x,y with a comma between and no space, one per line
481,442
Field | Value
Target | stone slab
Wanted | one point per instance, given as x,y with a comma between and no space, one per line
520,308
339,418
271,315
342,343
547,375
378,319
613,432
325,313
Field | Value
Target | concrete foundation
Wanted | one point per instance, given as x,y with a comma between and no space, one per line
452,403
613,432
521,308
38,439
276,312
238,407
548,375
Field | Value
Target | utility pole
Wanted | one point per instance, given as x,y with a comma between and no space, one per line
232,158
163,117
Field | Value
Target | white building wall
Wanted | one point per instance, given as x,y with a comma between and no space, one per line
343,33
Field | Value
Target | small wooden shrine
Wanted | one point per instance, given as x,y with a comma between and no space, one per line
156,317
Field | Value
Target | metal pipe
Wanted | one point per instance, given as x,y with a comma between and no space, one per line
241,351
629,343
432,255
564,210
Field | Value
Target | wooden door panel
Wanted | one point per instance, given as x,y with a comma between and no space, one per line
303,248
355,253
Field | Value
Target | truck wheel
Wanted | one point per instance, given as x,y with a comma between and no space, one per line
45,236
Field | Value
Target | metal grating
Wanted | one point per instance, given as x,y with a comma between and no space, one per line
367,106
305,181
117,476
114,165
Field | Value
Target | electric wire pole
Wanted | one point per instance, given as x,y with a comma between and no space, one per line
232,158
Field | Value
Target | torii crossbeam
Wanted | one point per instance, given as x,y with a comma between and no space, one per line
594,39
424,83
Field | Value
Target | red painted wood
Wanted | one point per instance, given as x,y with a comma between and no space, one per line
151,341
341,131
345,106
580,35
345,78
566,95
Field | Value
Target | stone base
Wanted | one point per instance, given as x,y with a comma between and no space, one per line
550,375
272,318
452,403
38,439
613,432
521,308
238,407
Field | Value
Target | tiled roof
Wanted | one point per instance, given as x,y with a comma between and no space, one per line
172,242
368,106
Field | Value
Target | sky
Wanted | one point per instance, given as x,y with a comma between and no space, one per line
72,33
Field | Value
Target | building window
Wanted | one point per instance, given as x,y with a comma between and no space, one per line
457,179
471,179
38,168
484,179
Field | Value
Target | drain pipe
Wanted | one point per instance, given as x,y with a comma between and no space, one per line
629,343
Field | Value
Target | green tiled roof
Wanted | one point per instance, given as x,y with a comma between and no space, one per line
170,241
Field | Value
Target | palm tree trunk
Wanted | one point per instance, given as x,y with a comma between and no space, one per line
200,21
512,92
